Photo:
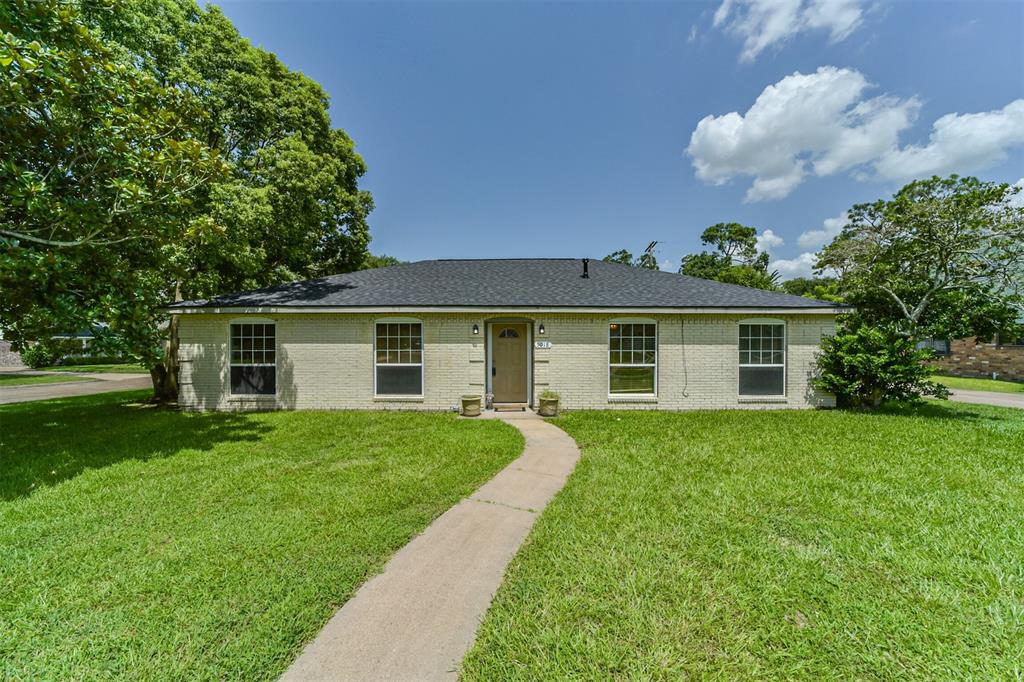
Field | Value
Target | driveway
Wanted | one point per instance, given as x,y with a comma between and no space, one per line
101,383
988,398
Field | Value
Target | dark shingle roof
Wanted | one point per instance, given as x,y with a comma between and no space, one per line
512,283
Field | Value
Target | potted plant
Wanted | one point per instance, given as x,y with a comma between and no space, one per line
548,403
470,406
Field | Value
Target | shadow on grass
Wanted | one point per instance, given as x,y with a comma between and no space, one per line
46,442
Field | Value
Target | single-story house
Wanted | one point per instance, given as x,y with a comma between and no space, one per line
421,335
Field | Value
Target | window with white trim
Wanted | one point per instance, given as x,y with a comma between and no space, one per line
632,358
762,359
253,361
398,359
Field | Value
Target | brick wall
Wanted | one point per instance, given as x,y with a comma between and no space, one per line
972,358
325,361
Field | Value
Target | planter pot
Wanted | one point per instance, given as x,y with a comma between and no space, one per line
470,406
548,407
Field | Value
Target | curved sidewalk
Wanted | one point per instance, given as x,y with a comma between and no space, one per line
417,619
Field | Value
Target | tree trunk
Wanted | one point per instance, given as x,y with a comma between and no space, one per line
165,375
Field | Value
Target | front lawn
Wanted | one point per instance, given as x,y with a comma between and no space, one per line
744,545
972,384
141,543
11,379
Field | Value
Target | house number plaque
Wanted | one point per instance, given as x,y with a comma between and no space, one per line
542,344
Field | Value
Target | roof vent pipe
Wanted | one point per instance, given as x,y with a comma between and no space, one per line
586,268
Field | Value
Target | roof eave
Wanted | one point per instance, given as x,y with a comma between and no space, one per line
650,310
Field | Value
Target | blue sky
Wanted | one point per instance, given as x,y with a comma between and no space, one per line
504,129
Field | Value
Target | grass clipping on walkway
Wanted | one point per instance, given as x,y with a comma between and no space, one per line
141,543
774,545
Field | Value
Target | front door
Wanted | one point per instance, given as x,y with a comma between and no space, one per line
508,358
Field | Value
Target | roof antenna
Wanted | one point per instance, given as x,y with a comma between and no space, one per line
586,268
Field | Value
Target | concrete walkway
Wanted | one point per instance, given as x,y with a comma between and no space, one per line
417,619
988,398
101,383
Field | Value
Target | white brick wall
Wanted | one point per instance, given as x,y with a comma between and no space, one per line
325,361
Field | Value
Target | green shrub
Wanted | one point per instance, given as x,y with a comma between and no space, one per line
39,355
64,352
548,394
867,366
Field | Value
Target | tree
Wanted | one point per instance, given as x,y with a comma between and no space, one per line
865,366
648,260
99,166
820,288
288,207
944,258
735,259
381,261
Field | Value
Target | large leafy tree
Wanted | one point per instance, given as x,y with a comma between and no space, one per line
734,258
944,257
99,166
287,207
291,207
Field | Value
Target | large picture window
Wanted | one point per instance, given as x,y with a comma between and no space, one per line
632,358
253,359
762,359
398,359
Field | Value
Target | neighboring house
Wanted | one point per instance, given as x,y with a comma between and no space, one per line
421,335
997,358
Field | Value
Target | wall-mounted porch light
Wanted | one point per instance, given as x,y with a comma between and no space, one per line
476,329
540,330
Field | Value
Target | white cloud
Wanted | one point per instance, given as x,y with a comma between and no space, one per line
693,34
830,227
801,266
667,264
822,124
763,23
768,241
960,143
816,122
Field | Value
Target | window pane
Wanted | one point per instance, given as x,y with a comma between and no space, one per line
253,380
399,380
762,381
393,356
631,379
382,356
416,356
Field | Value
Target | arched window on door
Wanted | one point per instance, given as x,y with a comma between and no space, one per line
508,333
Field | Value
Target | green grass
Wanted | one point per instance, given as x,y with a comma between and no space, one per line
8,379
773,545
141,543
99,369
972,384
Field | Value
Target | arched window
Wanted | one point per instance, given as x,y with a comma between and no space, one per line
508,333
